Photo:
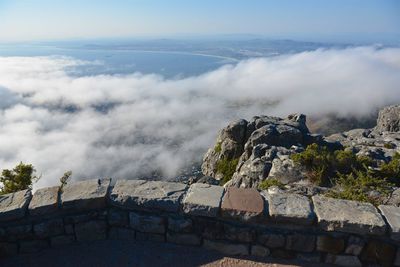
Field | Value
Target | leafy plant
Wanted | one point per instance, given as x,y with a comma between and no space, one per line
227,168
64,179
218,147
270,182
20,178
391,170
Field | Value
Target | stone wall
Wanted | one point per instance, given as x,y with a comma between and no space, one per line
234,221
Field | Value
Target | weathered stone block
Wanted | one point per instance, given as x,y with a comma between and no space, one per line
378,252
19,232
348,216
299,242
85,195
309,257
8,249
49,228
272,240
392,215
290,208
343,260
354,245
118,218
120,233
147,195
242,203
227,248
62,240
44,201
283,254
89,231
183,239
13,206
180,225
330,244
33,246
203,200
150,237
69,229
397,259
242,234
147,223
259,251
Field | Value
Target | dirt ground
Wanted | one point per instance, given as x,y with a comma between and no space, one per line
136,253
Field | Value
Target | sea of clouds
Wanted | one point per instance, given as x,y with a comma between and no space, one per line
128,126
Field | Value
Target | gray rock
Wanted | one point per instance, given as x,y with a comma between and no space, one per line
389,119
208,180
272,240
49,228
85,195
227,248
180,225
147,195
259,251
348,216
343,260
300,242
392,215
33,246
251,173
394,199
150,237
44,201
203,200
290,208
354,245
183,239
147,223
118,217
90,231
241,234
309,257
285,171
62,240
13,206
120,233
19,232
330,244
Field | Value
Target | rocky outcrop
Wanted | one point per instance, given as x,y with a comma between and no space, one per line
262,146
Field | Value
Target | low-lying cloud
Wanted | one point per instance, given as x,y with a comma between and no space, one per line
128,126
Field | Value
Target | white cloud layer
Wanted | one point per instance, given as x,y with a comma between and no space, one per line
148,123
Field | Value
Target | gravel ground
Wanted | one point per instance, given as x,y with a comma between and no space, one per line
135,253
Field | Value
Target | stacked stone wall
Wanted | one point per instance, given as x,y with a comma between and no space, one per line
233,221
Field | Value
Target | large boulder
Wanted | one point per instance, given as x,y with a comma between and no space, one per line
389,119
254,145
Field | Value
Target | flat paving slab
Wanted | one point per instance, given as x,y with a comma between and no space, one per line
348,216
290,208
44,201
13,206
203,200
392,215
147,195
242,203
85,195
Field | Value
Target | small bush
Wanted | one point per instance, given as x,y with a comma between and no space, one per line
389,145
218,147
358,185
270,182
391,170
227,168
20,178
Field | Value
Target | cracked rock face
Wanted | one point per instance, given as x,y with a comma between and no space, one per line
261,146
389,119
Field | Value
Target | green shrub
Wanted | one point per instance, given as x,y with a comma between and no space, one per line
391,170
218,147
227,168
20,178
388,145
270,182
358,184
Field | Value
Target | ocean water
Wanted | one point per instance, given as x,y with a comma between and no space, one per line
114,61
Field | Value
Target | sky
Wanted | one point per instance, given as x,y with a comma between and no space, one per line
38,20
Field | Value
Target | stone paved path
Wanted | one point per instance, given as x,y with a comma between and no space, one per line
134,253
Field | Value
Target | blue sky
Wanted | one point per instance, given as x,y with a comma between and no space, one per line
312,19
